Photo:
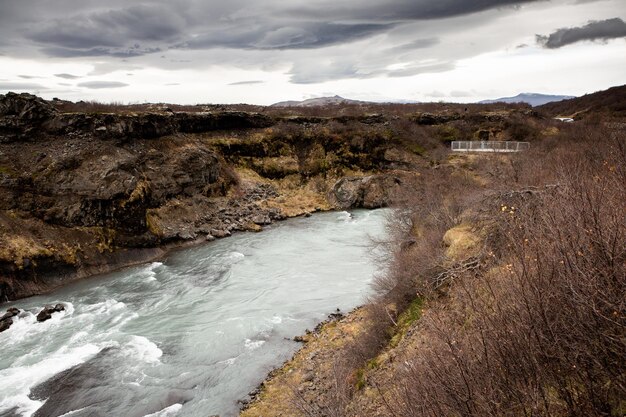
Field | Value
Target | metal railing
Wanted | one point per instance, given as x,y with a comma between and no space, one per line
488,146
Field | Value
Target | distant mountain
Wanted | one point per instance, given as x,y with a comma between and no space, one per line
611,102
320,101
534,99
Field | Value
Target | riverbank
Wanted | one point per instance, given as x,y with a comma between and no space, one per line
199,329
305,384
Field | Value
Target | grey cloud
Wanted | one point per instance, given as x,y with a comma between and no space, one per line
420,69
67,76
310,72
61,52
592,31
239,24
295,35
17,86
102,84
247,82
28,77
416,44
119,32
401,10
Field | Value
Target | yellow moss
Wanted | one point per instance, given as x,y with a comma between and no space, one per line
462,242
278,166
18,248
551,131
153,222
253,227
139,193
69,254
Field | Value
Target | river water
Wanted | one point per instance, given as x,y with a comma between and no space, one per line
191,335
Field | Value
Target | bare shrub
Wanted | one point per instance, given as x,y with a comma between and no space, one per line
542,329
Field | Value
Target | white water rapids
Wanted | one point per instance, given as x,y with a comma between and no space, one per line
191,335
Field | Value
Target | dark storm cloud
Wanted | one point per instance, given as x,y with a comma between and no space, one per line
67,76
251,82
102,84
595,30
296,35
86,29
314,38
400,10
112,28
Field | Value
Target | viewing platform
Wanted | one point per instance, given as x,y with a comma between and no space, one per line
489,146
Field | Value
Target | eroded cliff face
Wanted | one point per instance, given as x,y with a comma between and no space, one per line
83,193
86,191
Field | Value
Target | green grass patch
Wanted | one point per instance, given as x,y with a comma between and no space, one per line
7,171
409,316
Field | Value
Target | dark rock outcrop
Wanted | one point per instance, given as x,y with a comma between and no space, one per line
429,119
27,117
370,192
22,115
7,318
5,324
47,312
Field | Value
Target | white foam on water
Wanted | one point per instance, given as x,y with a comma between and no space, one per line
235,256
276,319
229,361
26,326
345,216
150,271
109,305
22,405
71,413
253,344
172,410
143,349
16,382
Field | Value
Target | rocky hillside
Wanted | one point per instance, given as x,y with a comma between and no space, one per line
505,295
88,191
608,103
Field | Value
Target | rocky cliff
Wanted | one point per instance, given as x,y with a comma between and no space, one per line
87,189
87,192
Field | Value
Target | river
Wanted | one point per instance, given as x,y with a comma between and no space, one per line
191,335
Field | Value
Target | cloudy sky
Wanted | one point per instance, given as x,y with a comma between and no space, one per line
194,51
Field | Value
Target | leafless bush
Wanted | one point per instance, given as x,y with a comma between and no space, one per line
543,331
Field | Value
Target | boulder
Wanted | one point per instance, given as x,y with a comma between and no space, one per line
11,312
47,311
7,318
220,233
370,192
261,219
5,324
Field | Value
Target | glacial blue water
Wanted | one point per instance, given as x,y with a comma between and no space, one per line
193,334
